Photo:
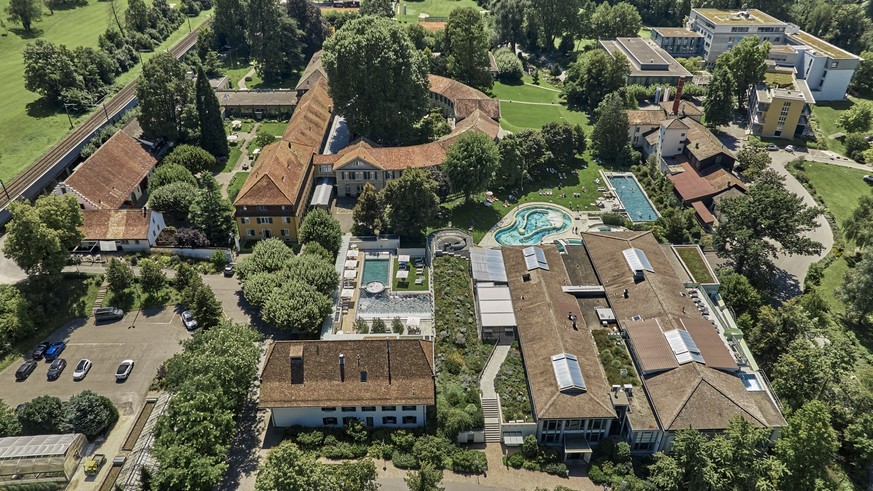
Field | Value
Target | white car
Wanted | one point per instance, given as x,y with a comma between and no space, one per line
789,148
189,320
124,370
868,178
82,369
772,148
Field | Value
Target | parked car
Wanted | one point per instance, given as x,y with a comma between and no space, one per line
868,178
25,370
228,270
789,148
56,368
189,320
82,369
772,148
124,370
40,350
54,350
108,314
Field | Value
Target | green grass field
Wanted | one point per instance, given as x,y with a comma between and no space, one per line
29,126
236,184
275,128
517,115
433,8
827,114
840,187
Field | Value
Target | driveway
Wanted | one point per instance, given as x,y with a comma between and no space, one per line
149,341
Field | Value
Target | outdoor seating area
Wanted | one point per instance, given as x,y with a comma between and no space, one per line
410,273
349,282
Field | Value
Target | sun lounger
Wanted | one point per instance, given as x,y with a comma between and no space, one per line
419,281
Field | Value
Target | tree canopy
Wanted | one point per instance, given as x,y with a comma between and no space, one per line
746,64
212,213
169,173
468,45
470,163
856,287
319,227
166,100
296,306
368,212
39,236
212,136
383,96
191,157
592,76
719,103
24,12
610,136
411,202
273,38
859,226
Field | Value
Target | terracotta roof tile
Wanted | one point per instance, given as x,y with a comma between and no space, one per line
692,185
399,371
279,176
686,108
465,98
313,73
702,143
651,117
311,118
110,175
129,224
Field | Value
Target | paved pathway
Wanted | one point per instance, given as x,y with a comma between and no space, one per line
242,80
541,87
486,385
224,178
532,103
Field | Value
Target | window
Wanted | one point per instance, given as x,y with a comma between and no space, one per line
328,409
250,232
343,174
410,420
644,440
262,208
389,408
363,376
265,220
285,232
349,409
368,409
389,420
366,175
328,421
349,420
551,425
596,424
286,220
636,129
352,176
573,425
324,169
834,64
244,220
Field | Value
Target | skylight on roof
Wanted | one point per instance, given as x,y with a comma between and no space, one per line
637,260
534,258
683,346
567,373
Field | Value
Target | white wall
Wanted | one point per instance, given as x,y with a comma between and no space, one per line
314,416
834,86
671,141
156,226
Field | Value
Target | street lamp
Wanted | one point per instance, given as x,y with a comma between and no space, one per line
66,110
5,191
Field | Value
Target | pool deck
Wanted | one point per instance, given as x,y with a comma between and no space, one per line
582,221
621,207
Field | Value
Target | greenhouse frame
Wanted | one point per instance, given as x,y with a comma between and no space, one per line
41,458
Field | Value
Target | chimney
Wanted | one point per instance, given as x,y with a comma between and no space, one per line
342,367
678,98
296,361
629,390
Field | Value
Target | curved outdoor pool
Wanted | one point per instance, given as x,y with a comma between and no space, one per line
532,224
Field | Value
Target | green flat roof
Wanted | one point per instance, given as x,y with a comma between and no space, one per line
726,16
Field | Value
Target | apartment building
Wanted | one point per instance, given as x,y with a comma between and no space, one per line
780,110
678,42
826,69
724,29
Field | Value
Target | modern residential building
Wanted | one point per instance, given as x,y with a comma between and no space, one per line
826,68
678,42
40,459
723,29
273,199
121,230
381,382
780,107
115,176
649,64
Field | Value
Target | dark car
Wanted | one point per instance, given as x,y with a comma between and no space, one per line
40,350
56,369
55,350
25,370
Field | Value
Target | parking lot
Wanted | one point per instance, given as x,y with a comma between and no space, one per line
148,338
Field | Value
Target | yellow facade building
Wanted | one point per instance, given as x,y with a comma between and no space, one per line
780,110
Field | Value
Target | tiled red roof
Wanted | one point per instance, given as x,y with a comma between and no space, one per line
129,224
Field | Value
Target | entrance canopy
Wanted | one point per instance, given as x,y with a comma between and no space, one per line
576,445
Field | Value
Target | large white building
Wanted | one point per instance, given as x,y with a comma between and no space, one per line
381,382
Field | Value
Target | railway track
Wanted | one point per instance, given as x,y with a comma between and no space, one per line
23,182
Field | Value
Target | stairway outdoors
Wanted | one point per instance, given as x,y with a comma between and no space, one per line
490,399
101,294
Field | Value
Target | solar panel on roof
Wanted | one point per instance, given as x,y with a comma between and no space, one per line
487,265
568,374
528,251
637,260
683,346
534,258
541,258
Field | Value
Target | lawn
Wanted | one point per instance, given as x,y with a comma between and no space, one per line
38,126
275,128
232,158
75,294
695,263
409,285
827,114
543,93
840,187
434,8
481,218
832,278
515,116
236,183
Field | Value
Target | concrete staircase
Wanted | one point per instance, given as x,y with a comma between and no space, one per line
101,294
491,409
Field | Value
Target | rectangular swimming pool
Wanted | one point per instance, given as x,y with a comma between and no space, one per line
633,199
375,270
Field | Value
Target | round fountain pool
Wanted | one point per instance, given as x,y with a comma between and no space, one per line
533,223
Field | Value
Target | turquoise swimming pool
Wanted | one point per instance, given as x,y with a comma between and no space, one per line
532,224
633,199
375,270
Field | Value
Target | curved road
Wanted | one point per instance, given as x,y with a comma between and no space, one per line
21,183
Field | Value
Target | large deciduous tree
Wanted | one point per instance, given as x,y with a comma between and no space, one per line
24,12
9,425
512,165
268,256
310,22
719,103
381,96
509,18
119,276
554,18
89,413
212,213
379,8
857,118
594,75
470,163
318,226
174,199
769,219
428,478
619,20
169,173
746,63
296,306
43,415
808,428
752,161
273,38
564,142
859,226
862,80
50,70
195,159
856,288
166,100
610,135
39,236
212,136
287,468
411,202
368,213
467,41
230,22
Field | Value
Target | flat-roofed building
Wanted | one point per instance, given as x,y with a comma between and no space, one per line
781,110
678,42
649,64
570,395
381,382
722,29
825,68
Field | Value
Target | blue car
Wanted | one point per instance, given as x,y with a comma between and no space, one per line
55,350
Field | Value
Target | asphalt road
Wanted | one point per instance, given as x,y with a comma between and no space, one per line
149,341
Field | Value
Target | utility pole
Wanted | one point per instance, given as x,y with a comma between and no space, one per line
66,110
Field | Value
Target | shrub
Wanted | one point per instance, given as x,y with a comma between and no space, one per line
432,450
515,460
556,469
310,440
612,219
529,447
470,462
403,440
404,461
344,450
530,465
508,65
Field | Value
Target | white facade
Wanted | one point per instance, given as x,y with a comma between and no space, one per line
671,139
371,416
828,78
636,132
721,36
